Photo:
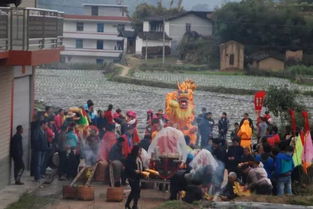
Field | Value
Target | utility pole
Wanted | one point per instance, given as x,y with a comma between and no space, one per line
163,57
146,55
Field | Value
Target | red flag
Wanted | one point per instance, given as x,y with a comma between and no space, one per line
307,143
305,115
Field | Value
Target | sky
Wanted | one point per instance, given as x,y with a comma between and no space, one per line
74,6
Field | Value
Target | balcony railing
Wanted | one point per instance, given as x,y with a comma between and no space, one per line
30,28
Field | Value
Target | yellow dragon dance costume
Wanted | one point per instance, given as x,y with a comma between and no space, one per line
179,108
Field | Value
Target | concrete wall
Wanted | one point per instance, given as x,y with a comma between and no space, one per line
23,95
6,83
91,27
86,60
177,28
271,63
294,55
90,44
107,11
28,3
146,26
231,48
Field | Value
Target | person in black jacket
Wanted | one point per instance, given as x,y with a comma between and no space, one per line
117,159
17,154
133,168
40,149
234,154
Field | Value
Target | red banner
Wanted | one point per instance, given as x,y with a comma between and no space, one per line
305,115
259,98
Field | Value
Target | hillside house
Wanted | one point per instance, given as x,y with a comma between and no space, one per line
174,28
268,61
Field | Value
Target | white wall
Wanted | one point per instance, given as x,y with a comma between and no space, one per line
167,28
141,43
146,26
22,106
177,28
91,27
86,60
107,11
28,3
90,44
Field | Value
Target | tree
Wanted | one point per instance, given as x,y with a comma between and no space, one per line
263,24
197,49
144,11
279,100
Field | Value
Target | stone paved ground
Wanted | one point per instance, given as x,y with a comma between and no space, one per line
149,199
65,88
12,193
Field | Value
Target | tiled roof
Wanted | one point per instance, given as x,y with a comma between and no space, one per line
204,15
128,34
264,55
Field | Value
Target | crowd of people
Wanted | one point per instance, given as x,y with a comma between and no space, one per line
262,166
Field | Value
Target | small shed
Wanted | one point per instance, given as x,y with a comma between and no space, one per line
267,61
294,55
231,56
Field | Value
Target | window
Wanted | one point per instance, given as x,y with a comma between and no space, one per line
231,59
188,27
79,26
79,43
100,27
99,44
99,61
94,11
122,10
62,59
120,27
119,45
156,27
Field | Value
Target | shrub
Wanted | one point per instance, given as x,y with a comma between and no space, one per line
299,70
299,73
78,66
172,68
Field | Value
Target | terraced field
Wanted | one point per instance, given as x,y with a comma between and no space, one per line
229,81
66,88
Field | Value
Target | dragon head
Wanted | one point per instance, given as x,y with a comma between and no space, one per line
185,93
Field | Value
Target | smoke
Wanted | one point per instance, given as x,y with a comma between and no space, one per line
206,170
90,149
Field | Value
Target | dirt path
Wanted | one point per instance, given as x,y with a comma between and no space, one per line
149,200
125,69
132,62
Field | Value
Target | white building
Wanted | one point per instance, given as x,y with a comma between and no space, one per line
175,27
93,38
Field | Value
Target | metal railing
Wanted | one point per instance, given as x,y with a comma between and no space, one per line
4,29
30,28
